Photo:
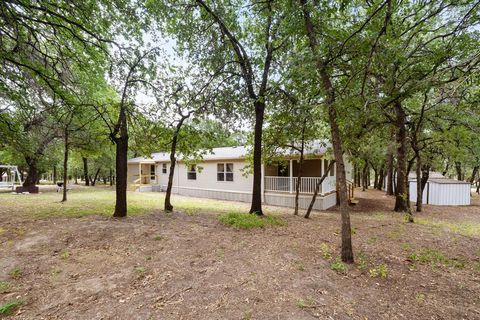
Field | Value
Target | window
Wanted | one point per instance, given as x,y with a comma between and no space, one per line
225,172
192,172
152,172
164,168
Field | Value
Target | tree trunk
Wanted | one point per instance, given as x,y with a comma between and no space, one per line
55,174
300,168
93,181
173,150
425,176
365,176
85,171
381,177
375,177
32,172
474,174
347,250
317,189
419,183
65,167
168,205
446,169
121,171
390,151
256,206
402,203
111,177
458,168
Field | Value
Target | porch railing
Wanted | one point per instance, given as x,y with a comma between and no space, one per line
307,184
137,180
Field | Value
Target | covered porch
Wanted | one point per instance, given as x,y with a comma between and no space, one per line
142,175
282,177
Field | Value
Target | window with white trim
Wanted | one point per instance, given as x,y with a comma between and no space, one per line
224,171
164,168
192,172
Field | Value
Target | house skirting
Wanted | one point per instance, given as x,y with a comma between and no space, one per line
288,200
323,202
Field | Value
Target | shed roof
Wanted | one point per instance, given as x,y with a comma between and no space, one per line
447,181
436,177
232,153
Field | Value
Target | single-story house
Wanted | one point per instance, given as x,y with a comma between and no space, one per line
224,174
441,191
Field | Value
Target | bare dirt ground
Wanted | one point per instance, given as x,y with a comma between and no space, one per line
189,266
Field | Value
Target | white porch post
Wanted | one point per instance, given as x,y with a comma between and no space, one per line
262,183
291,175
140,173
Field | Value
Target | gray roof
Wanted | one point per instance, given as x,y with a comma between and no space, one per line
447,181
436,177
232,153
431,175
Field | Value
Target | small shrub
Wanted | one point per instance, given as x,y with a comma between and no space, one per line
191,212
420,297
4,286
248,221
362,261
338,266
379,271
353,231
299,266
65,254
16,273
158,238
7,308
406,246
428,256
326,251
307,303
140,269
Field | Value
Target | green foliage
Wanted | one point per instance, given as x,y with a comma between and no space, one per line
463,228
379,271
338,266
16,273
65,254
249,221
428,255
140,269
7,308
326,250
362,261
4,286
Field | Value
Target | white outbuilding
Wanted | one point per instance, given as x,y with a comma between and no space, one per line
442,191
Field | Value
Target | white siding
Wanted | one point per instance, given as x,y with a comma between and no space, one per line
287,200
207,186
442,194
413,192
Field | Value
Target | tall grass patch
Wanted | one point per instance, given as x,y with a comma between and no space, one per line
249,221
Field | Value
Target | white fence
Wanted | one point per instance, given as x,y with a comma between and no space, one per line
307,184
